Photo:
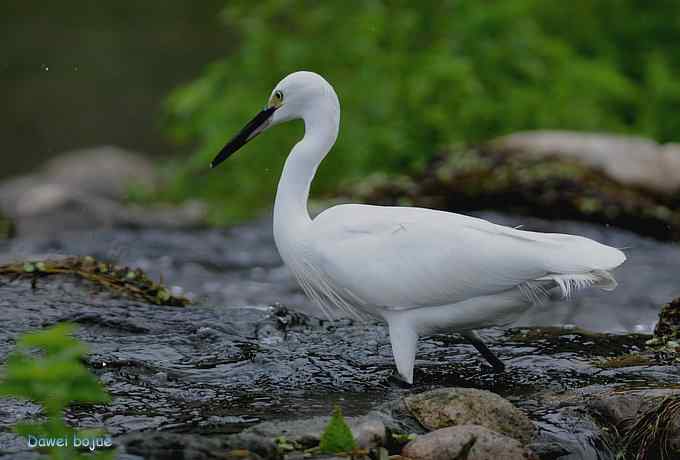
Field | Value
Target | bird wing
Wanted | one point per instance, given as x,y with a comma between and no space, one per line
412,257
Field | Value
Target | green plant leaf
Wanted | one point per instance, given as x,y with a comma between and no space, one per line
412,79
47,368
337,437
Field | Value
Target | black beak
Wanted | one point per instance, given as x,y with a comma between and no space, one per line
252,129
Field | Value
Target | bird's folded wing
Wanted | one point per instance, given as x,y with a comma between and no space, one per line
417,257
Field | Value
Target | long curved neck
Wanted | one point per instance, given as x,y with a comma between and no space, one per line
290,209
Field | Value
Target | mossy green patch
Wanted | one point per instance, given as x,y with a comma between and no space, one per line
474,178
627,360
117,279
527,335
666,340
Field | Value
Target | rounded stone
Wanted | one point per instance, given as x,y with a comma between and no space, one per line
447,407
472,442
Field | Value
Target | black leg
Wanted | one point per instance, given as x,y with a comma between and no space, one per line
397,380
476,342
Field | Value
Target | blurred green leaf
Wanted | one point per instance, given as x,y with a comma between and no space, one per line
47,368
413,77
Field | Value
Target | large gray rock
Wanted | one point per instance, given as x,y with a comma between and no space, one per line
630,160
212,368
667,331
626,407
105,171
86,189
100,171
652,414
447,407
470,442
368,431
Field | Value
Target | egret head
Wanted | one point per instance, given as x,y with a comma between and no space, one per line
299,95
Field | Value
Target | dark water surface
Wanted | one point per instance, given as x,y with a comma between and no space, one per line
241,267
78,73
230,360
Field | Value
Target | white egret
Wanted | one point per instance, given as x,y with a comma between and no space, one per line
420,270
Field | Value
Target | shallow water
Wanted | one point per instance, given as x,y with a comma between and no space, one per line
230,361
241,266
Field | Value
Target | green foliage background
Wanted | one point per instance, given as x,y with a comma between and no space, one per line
413,76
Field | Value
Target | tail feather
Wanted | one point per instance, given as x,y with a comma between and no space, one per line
606,280
578,255
573,282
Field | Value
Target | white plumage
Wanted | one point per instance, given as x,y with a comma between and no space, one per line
421,258
418,269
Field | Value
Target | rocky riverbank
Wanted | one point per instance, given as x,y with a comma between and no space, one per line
230,362
250,370
595,178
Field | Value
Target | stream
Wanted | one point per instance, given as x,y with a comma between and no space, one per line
252,348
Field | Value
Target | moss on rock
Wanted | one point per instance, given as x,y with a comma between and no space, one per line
666,340
627,360
669,321
473,178
117,279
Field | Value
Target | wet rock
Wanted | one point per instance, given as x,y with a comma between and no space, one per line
105,171
368,431
124,281
264,447
53,208
666,340
566,430
304,432
665,344
647,421
623,407
188,215
628,360
86,189
630,160
44,206
464,179
606,422
163,446
397,419
229,361
668,326
447,407
241,266
471,442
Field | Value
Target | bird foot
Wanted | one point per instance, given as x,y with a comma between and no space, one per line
492,369
396,379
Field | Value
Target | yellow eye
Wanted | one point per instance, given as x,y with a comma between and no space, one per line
278,95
